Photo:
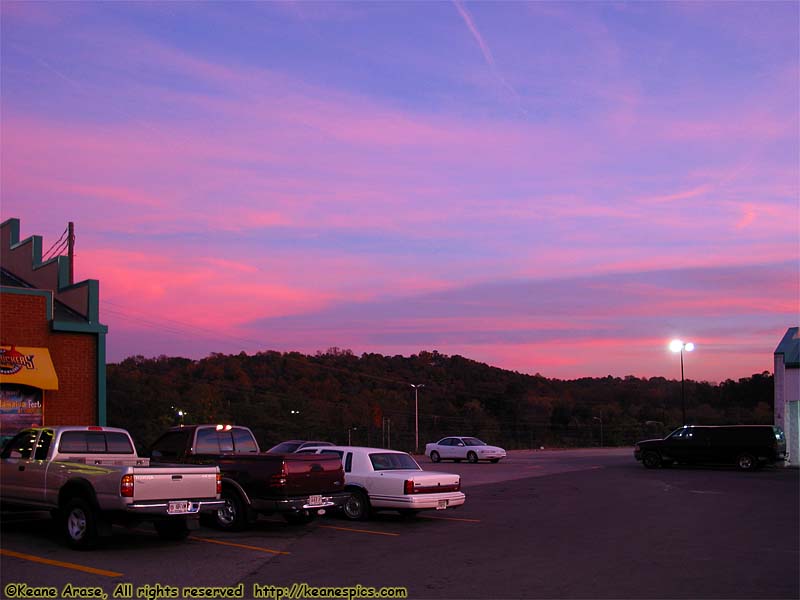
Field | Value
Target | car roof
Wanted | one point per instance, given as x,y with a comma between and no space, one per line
356,449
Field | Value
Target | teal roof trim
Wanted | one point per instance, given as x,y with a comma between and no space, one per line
48,296
79,327
24,258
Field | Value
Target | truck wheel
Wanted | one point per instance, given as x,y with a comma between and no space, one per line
172,529
472,457
651,460
746,462
79,521
232,516
435,456
357,506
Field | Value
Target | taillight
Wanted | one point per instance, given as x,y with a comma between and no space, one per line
126,486
279,479
408,486
458,485
219,484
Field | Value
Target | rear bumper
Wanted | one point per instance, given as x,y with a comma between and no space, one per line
419,501
161,507
299,503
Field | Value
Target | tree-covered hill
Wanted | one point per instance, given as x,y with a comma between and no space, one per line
368,400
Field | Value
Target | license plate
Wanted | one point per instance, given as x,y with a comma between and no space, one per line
178,507
441,505
315,500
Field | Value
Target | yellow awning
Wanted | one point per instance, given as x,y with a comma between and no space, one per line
27,366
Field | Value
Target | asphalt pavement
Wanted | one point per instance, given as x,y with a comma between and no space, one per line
541,524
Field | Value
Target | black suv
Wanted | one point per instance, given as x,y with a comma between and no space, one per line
746,446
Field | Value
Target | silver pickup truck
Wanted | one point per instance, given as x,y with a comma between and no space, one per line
90,477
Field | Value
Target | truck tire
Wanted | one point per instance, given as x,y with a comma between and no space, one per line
172,529
79,523
233,516
746,462
651,459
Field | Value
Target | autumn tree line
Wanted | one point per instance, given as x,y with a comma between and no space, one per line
368,400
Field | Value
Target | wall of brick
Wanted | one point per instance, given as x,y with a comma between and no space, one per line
23,317
23,322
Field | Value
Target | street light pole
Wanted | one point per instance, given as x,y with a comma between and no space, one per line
680,346
601,428
416,414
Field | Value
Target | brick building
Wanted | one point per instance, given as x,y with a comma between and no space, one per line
52,344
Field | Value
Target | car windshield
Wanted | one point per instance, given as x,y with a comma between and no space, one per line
393,461
314,444
285,447
679,432
473,442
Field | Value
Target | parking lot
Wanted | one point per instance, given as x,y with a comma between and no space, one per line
541,524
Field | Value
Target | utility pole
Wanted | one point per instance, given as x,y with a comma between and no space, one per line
71,251
416,414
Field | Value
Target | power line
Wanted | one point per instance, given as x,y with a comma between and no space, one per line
61,247
54,243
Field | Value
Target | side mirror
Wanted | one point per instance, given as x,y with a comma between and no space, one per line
461,444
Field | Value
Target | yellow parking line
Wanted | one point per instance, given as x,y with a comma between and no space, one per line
57,563
246,547
359,530
451,519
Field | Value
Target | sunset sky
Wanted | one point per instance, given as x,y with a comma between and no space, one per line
551,187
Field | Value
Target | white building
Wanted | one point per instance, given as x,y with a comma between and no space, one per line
787,392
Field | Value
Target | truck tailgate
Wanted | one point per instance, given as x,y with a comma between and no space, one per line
174,482
313,474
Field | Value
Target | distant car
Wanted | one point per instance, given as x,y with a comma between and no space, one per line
746,446
294,445
380,479
463,448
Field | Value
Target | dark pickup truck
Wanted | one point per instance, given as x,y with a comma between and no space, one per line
298,486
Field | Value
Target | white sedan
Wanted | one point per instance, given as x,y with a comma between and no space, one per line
380,479
463,448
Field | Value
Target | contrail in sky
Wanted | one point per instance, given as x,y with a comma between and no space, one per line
487,53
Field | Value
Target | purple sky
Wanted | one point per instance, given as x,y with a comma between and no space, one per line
556,187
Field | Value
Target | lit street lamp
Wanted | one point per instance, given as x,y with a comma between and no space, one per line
416,414
180,413
680,346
